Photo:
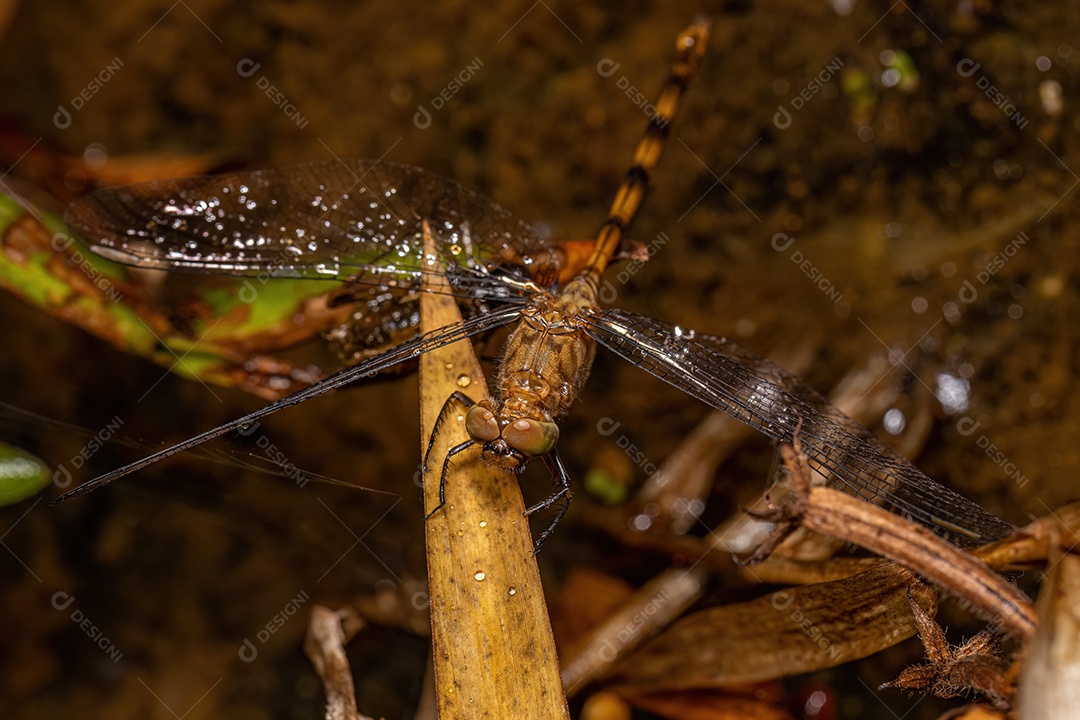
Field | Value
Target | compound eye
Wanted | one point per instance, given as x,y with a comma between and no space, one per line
481,424
532,437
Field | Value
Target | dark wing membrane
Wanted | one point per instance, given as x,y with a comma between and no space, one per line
336,219
763,395
385,316
413,348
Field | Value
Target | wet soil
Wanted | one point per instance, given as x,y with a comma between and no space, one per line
840,178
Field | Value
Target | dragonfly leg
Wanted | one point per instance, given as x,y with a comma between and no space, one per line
456,396
445,469
559,474
788,513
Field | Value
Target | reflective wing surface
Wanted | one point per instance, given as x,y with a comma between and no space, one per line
337,219
761,394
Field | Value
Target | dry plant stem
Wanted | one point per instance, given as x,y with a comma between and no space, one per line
1050,678
860,395
833,513
1036,544
838,515
493,650
682,476
657,603
325,647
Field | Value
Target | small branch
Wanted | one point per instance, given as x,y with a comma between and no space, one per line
841,516
659,602
831,512
325,647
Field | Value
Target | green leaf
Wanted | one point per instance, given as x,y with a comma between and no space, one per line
21,475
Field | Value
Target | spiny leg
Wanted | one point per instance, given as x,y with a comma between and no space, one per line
445,469
558,473
691,45
456,397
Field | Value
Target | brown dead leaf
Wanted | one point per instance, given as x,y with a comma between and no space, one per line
491,636
788,632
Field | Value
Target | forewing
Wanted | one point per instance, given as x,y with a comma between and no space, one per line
338,219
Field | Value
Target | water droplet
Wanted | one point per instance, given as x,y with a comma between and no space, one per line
449,366
483,523
894,421
463,380
479,576
512,591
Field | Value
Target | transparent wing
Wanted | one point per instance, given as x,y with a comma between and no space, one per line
338,219
411,349
763,395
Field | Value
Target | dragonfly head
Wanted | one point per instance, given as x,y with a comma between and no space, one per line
510,444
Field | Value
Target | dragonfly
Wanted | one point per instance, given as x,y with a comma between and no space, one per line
364,223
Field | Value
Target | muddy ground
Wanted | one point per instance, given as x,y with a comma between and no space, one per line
929,219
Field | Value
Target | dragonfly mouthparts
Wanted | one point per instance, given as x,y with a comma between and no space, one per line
499,454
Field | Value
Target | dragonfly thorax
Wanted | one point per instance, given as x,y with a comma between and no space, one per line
544,365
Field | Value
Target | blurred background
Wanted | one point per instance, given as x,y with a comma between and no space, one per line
856,180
